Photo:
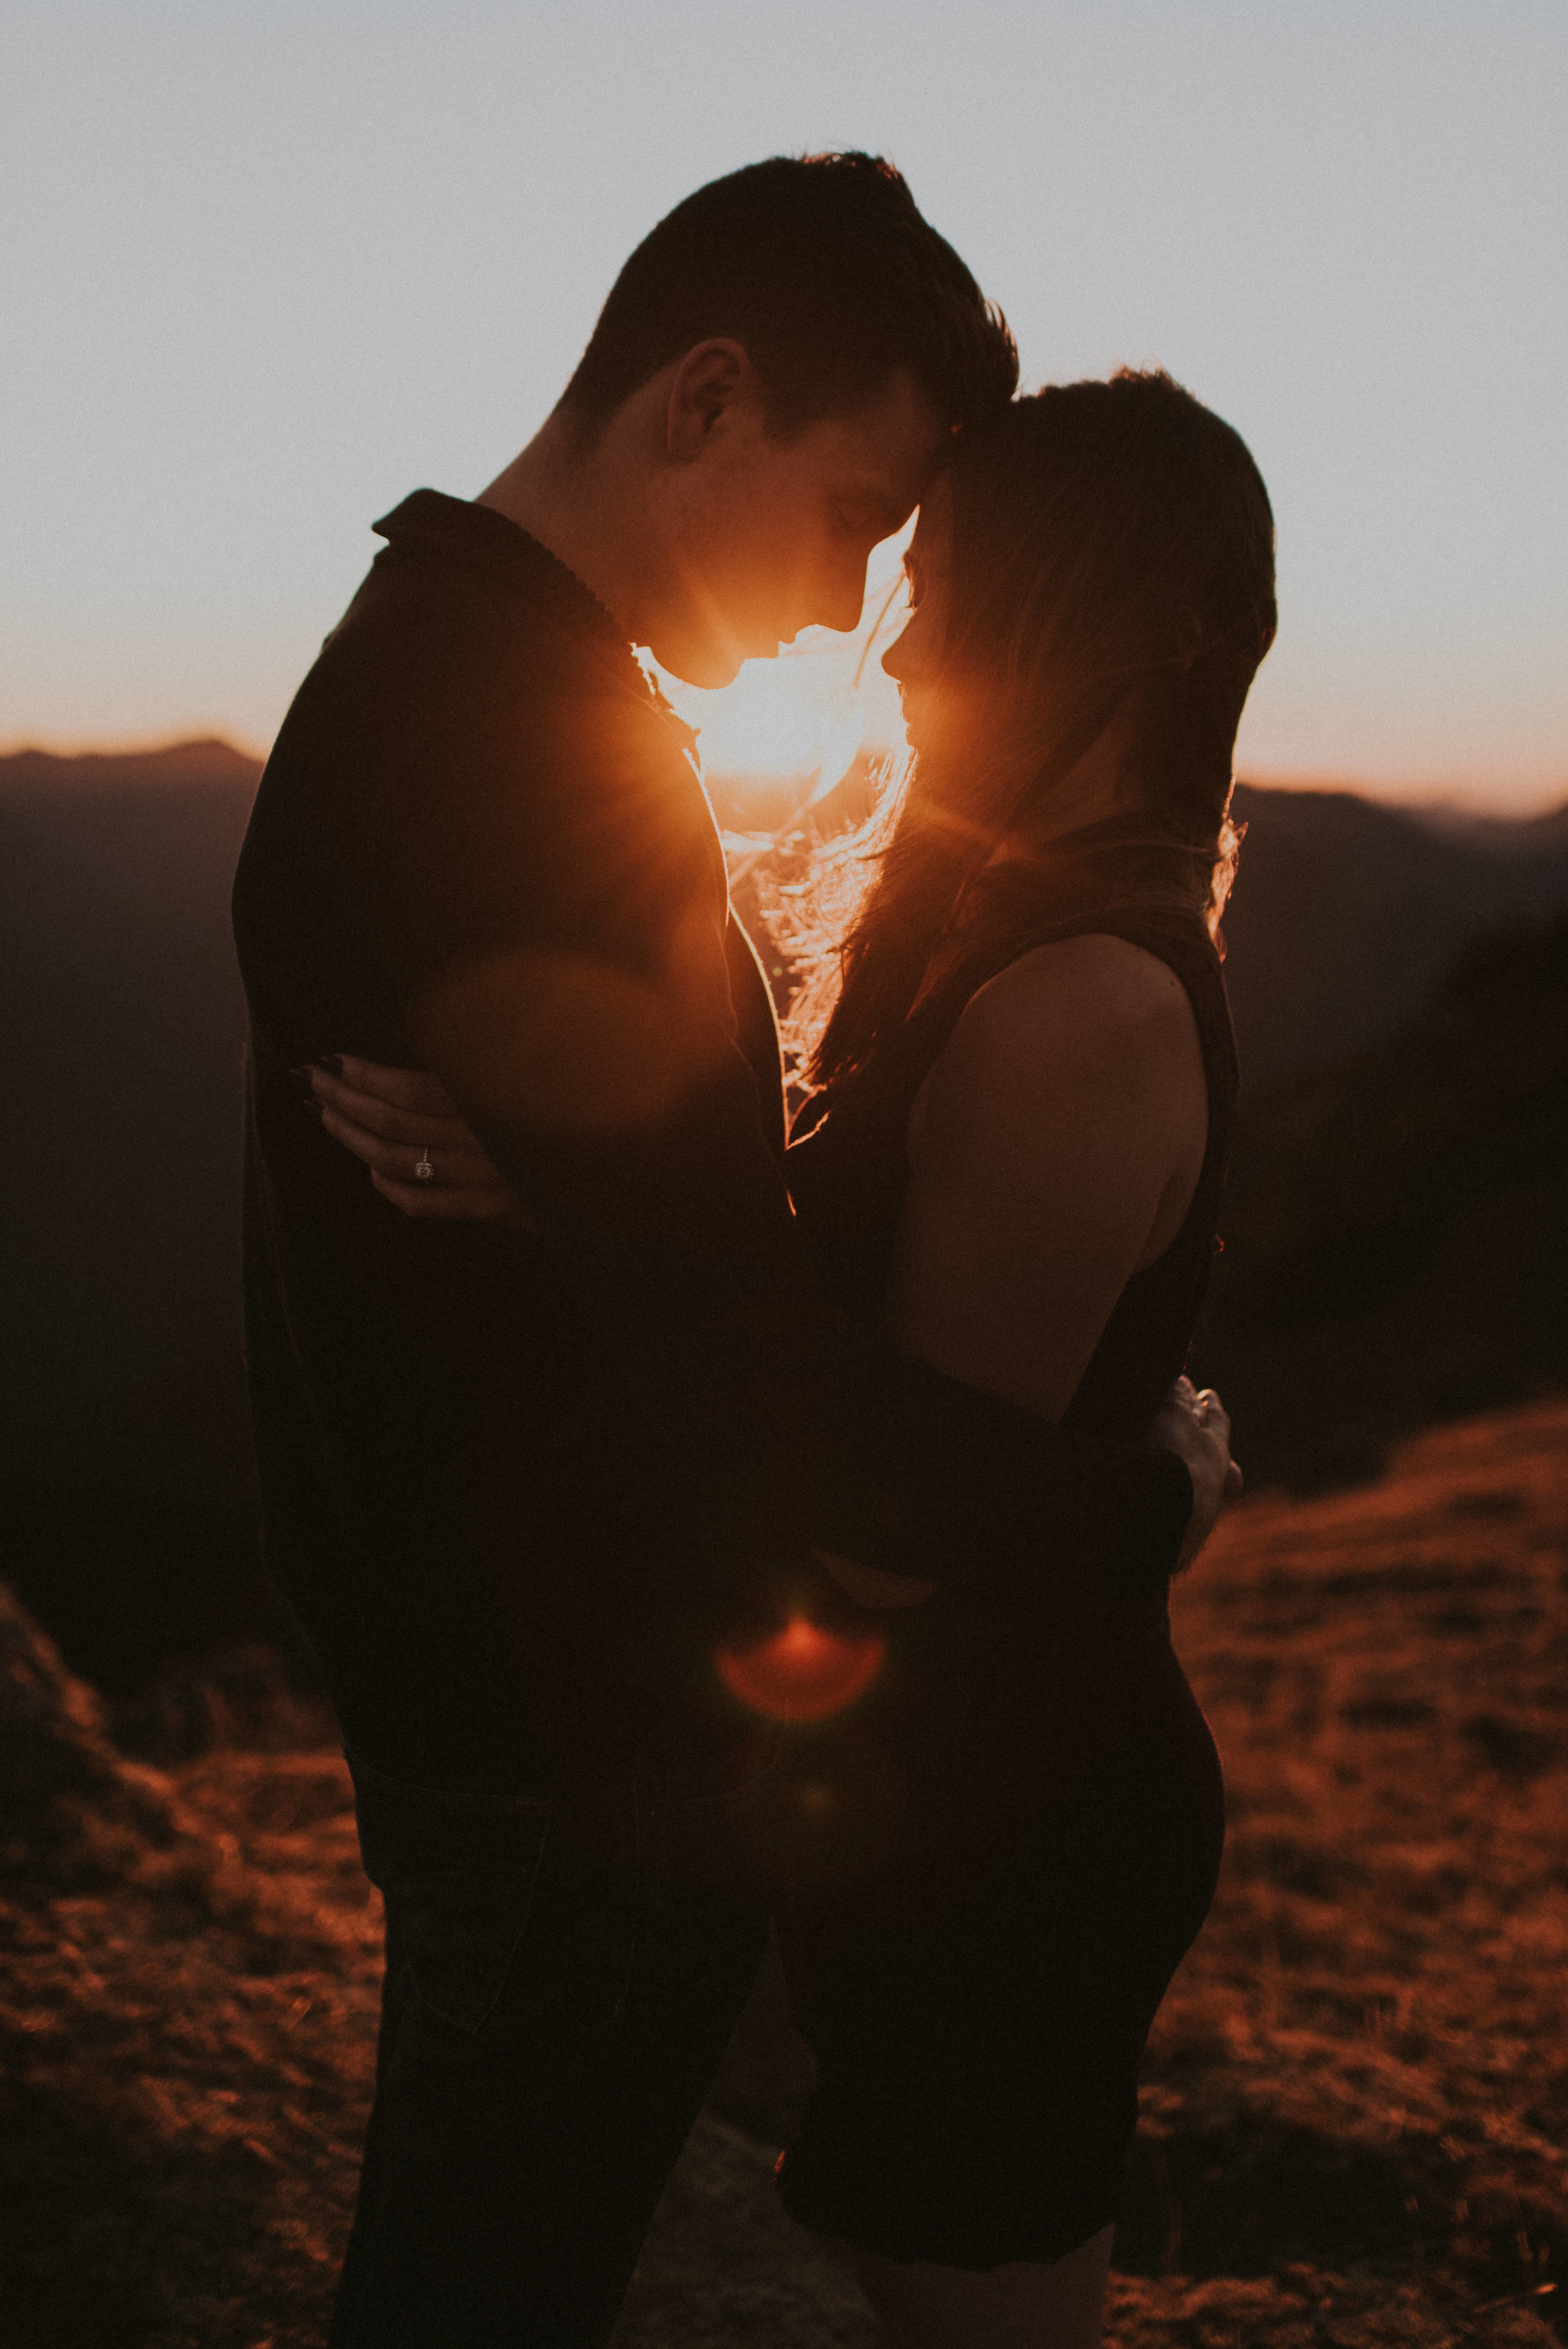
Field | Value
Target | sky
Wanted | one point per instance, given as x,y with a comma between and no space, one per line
267,268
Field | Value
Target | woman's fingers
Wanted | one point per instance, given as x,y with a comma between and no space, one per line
397,1120
392,1121
1213,1413
432,1199
452,1167
404,1089
424,1128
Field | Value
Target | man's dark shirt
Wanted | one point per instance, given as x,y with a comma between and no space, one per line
515,1484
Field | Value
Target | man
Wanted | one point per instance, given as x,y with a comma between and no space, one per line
520,1484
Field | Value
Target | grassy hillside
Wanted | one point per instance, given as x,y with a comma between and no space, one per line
1358,2097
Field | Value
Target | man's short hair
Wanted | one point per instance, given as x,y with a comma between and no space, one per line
823,268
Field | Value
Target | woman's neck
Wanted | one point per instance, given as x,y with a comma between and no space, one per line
1100,787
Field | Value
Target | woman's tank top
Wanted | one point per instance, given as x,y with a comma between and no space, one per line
849,1169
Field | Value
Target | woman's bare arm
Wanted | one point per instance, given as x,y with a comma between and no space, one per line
1056,1147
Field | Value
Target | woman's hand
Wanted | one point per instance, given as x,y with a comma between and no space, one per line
873,1586
1194,1424
404,1126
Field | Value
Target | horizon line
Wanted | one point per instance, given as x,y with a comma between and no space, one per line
1463,794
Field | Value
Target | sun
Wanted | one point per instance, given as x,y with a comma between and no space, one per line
783,720
767,723
799,720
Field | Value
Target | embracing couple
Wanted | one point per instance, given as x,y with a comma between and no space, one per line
596,1382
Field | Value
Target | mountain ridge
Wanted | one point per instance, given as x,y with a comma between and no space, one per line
126,1480
206,757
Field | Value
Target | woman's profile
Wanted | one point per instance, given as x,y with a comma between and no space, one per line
1022,1080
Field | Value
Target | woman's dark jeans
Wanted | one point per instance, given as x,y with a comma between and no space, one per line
562,1974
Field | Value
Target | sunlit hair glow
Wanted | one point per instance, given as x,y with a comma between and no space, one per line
1112,565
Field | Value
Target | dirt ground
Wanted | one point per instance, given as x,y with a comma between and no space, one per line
1356,2108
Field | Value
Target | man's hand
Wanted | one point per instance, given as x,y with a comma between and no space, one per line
1196,1427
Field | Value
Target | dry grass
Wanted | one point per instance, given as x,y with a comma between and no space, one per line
188,1980
1363,2067
1359,2093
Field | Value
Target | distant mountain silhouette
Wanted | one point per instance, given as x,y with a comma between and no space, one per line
1346,914
125,1475
1397,1226
208,762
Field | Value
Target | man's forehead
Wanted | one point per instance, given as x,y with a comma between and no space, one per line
892,503
897,440
935,514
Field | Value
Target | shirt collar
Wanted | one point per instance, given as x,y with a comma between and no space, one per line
494,543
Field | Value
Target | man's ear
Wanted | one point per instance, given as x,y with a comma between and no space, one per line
708,383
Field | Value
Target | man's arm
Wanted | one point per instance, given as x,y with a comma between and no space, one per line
554,926
390,1117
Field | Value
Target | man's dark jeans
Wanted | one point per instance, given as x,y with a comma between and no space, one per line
562,1974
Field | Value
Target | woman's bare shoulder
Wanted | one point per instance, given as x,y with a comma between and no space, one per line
1073,1077
1075,1004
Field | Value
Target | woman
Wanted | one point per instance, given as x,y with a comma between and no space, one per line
1015,1147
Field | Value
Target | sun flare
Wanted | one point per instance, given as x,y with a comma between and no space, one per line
802,718
783,718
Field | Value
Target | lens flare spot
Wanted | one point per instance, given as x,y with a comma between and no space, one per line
803,1673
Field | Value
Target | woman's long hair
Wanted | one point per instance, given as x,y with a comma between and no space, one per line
1112,563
